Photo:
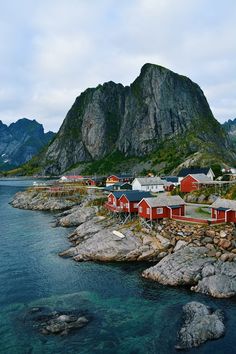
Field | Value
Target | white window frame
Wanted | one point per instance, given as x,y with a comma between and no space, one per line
135,205
159,211
148,211
140,209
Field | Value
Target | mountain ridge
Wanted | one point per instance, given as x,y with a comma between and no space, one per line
160,121
20,141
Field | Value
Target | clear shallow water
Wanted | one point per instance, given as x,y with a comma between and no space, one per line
129,314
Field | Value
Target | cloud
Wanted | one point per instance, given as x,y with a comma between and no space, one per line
52,50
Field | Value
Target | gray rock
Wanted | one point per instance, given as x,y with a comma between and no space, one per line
180,244
33,200
179,268
200,325
78,216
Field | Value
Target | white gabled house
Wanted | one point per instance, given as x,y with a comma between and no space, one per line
149,184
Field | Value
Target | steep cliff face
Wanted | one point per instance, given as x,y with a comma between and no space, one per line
158,108
230,128
21,141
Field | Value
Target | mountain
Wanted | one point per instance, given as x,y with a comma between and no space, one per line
160,121
230,128
20,141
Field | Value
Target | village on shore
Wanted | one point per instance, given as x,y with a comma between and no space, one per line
148,219
154,198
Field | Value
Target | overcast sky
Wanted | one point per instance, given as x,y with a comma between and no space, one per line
52,50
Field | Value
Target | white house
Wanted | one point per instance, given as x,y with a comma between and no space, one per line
149,184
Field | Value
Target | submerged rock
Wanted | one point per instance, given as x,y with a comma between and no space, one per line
200,325
57,323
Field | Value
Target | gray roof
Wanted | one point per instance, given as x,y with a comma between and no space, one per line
165,200
149,181
189,171
224,203
201,178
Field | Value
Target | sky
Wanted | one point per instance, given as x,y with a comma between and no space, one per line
52,50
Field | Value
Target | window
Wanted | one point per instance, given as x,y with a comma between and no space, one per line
140,209
135,205
148,210
121,204
159,210
109,199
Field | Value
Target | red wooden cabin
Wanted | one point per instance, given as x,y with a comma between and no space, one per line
224,210
161,207
130,199
127,202
193,182
113,202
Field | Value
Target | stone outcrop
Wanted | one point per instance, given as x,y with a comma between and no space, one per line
200,324
33,200
159,107
191,266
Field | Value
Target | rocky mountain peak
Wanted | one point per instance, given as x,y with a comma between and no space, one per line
160,111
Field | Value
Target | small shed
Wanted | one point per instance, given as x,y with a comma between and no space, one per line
161,207
191,183
224,210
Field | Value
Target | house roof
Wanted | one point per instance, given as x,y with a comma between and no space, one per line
132,196
120,176
189,171
172,179
224,204
149,181
165,200
118,184
136,196
201,178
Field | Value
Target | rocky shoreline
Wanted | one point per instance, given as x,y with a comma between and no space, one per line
200,257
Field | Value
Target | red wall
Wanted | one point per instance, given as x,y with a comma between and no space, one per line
131,205
111,199
187,184
153,212
220,214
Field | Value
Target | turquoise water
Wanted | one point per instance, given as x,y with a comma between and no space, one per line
128,314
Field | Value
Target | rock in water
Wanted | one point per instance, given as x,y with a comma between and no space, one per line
200,325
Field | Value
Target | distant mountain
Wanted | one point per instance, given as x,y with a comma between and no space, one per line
159,122
230,127
20,141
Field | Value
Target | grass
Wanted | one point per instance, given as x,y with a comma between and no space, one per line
202,210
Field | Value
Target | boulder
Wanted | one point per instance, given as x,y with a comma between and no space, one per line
200,324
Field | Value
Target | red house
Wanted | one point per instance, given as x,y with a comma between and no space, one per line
224,210
161,207
130,199
194,182
118,178
126,202
113,202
